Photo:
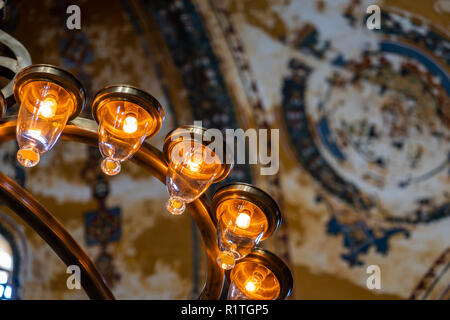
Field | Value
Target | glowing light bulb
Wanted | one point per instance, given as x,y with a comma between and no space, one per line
194,165
252,285
243,220
49,97
260,276
245,216
47,108
240,227
122,130
126,117
130,124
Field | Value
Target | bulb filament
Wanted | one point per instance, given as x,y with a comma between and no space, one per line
243,220
254,283
130,124
47,108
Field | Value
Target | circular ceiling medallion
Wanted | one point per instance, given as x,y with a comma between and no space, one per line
371,121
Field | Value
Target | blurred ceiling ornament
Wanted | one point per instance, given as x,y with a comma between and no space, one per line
313,121
439,272
441,6
50,101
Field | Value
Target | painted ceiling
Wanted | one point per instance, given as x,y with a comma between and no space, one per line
364,120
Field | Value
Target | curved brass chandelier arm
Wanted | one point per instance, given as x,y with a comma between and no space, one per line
22,60
85,131
46,225
199,210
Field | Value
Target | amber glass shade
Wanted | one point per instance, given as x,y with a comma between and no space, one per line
45,108
193,166
192,169
253,281
126,116
123,128
245,215
241,225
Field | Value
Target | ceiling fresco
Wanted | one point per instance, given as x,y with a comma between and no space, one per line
364,120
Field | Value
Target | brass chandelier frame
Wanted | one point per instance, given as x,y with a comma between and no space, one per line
83,130
58,238
70,252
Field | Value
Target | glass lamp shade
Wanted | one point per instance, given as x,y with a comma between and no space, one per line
48,98
126,117
260,276
253,281
190,174
192,167
123,128
241,225
245,216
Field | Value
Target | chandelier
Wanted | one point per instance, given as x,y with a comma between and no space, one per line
232,224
